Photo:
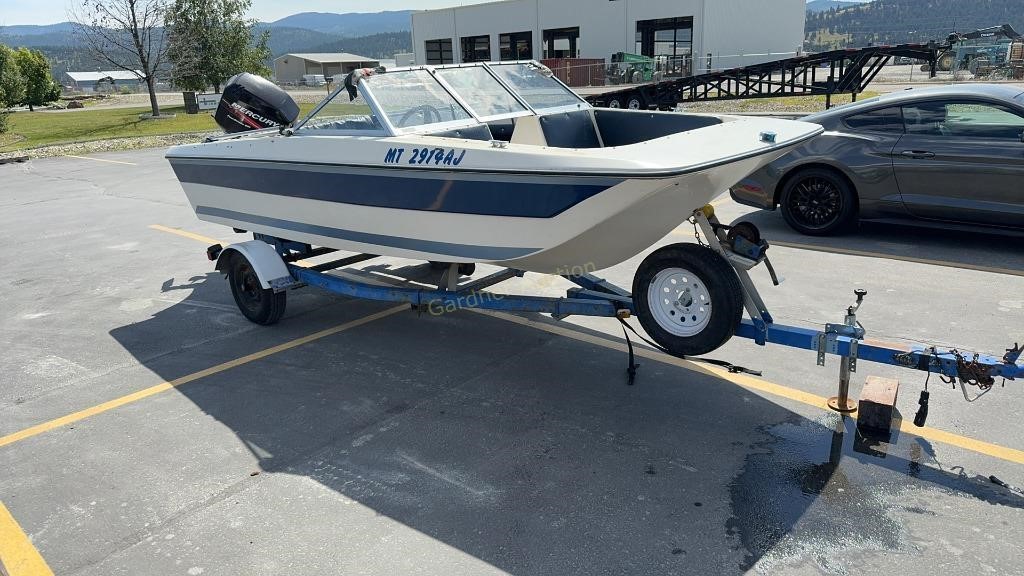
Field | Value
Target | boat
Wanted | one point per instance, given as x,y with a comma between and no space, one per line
497,163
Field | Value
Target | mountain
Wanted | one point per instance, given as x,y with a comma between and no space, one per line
285,39
33,30
349,24
906,21
380,46
826,5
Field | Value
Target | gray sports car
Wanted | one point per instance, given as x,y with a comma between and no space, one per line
951,153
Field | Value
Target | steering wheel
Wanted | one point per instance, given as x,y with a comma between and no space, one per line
426,110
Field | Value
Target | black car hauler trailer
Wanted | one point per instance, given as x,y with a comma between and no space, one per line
825,73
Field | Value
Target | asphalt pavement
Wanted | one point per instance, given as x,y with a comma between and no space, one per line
147,428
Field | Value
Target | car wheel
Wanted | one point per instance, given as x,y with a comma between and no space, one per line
818,202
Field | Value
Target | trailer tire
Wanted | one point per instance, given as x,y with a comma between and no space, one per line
615,102
260,305
636,102
688,299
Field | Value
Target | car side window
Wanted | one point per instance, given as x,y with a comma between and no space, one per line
963,120
881,120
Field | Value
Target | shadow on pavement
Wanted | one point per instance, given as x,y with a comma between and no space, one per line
528,451
967,249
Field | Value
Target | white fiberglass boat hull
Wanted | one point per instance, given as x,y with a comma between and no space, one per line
539,209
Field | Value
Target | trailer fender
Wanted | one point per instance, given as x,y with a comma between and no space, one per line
265,261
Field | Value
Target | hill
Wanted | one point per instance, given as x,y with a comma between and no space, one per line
379,46
824,5
34,30
285,39
349,24
901,21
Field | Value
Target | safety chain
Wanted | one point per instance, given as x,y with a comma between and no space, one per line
971,373
968,372
696,231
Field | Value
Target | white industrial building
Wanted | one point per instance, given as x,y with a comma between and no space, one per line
104,81
686,33
290,68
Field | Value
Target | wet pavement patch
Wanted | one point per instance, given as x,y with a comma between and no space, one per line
818,492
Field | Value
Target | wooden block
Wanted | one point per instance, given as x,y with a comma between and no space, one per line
877,403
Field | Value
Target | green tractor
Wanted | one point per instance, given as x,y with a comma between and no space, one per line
980,52
629,68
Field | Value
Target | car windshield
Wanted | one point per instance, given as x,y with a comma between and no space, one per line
414,98
1019,98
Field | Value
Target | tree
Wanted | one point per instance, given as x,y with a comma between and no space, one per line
212,40
12,82
127,34
40,88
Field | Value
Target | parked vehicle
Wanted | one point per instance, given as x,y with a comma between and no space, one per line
952,153
314,80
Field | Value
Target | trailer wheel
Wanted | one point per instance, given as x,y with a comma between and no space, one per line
258,304
688,298
615,103
636,102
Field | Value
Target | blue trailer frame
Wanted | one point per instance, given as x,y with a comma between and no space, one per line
594,296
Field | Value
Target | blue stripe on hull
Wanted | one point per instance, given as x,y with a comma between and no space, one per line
476,253
485,195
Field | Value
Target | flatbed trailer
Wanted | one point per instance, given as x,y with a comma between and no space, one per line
847,71
275,266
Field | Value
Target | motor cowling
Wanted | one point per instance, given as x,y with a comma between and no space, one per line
251,102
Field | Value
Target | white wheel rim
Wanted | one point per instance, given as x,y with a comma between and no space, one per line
634,104
680,302
613,104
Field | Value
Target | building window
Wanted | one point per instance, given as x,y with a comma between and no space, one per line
439,51
476,48
562,42
669,41
516,46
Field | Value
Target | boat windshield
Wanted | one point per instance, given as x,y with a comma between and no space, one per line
481,91
538,89
412,98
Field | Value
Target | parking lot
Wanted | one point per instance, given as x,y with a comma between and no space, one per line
147,428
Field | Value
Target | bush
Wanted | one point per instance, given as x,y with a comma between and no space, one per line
3,121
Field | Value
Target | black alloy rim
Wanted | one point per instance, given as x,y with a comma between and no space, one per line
816,202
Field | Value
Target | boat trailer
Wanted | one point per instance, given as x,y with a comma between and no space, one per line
262,270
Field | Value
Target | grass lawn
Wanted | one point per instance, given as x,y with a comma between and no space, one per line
780,104
33,129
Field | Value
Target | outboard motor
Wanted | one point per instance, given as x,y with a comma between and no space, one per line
252,102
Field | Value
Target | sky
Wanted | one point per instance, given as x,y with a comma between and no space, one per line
51,11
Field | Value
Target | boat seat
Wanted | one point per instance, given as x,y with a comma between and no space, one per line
570,130
625,127
479,132
502,129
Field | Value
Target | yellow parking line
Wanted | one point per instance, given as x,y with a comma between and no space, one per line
979,446
866,254
102,160
186,234
18,557
163,386
752,383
